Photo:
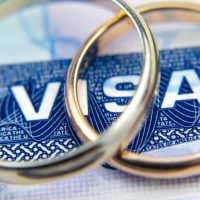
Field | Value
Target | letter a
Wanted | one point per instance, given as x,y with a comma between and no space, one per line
172,95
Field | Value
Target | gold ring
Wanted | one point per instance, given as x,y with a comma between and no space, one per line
134,163
95,153
127,125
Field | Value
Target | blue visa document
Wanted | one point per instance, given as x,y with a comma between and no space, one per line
33,119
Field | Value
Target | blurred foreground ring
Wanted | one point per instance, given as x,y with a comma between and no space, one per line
93,154
130,162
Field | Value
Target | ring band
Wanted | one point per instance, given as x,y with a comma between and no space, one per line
127,125
95,153
146,166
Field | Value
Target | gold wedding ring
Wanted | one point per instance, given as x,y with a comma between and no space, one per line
97,152
127,161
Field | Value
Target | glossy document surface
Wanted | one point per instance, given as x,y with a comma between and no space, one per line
34,121
24,136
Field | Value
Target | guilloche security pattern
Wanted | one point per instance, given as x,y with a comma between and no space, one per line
34,122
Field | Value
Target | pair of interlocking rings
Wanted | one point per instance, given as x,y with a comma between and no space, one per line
109,147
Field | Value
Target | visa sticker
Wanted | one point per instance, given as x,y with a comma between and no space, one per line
34,122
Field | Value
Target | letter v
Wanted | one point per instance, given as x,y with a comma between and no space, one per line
46,105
